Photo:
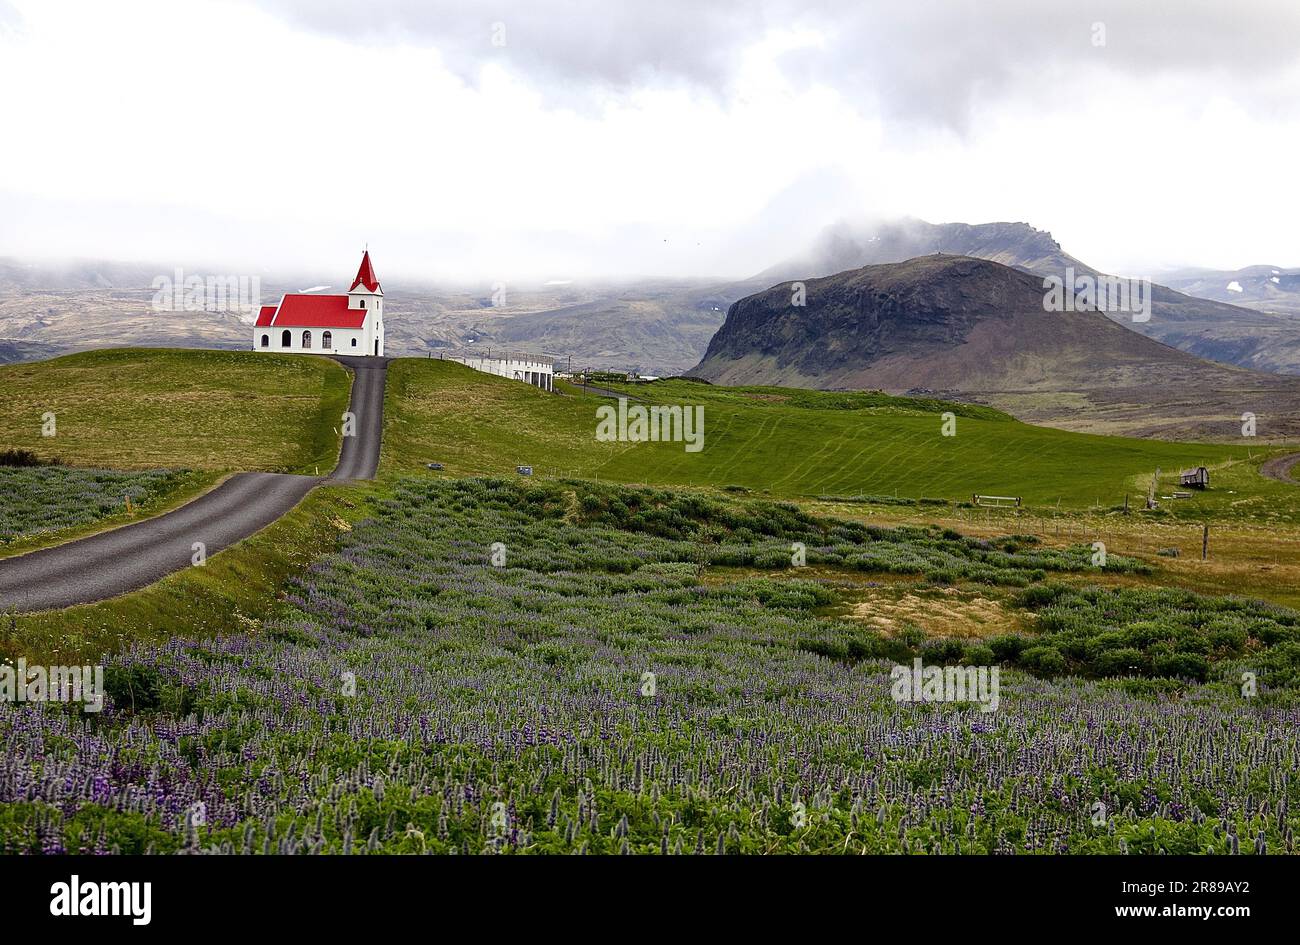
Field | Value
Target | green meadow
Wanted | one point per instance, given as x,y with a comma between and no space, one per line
144,408
794,444
864,454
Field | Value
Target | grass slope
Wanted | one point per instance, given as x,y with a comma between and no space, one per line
789,443
142,408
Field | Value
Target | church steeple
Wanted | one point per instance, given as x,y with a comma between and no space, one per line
366,276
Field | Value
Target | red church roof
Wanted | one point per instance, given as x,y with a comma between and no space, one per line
265,315
318,311
366,275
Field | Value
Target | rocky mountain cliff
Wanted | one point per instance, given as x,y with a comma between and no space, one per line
978,329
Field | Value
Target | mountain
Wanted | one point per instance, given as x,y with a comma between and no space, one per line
12,351
1258,337
978,330
1264,288
73,274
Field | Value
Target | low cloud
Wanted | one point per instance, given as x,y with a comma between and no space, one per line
935,63
10,19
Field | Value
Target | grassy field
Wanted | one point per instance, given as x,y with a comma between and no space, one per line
787,443
142,408
134,409
477,424
797,444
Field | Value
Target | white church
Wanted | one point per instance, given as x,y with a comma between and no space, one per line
305,323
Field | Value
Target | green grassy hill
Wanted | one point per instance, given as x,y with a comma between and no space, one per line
142,408
222,410
786,442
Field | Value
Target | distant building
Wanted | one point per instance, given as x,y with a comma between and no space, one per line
1198,478
531,369
306,323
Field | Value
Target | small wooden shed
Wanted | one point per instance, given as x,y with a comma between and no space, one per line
1198,478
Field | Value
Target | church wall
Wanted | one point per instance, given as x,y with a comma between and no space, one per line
340,340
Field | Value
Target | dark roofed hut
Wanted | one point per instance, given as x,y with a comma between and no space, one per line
1198,478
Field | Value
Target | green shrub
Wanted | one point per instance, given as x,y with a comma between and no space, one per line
1007,648
1046,660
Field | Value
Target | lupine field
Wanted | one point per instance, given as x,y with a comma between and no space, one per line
40,499
508,667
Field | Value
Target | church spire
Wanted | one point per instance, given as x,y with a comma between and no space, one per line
366,275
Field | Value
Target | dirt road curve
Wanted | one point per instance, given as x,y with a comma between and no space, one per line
1279,468
133,556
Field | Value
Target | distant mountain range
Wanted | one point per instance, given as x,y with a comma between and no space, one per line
654,326
1265,288
976,329
658,326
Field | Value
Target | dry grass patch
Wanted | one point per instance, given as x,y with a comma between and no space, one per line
940,612
1248,558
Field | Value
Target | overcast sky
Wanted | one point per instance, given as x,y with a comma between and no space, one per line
530,139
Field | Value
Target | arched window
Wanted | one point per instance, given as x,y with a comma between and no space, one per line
266,341
327,340
306,339
354,342
363,303
286,339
